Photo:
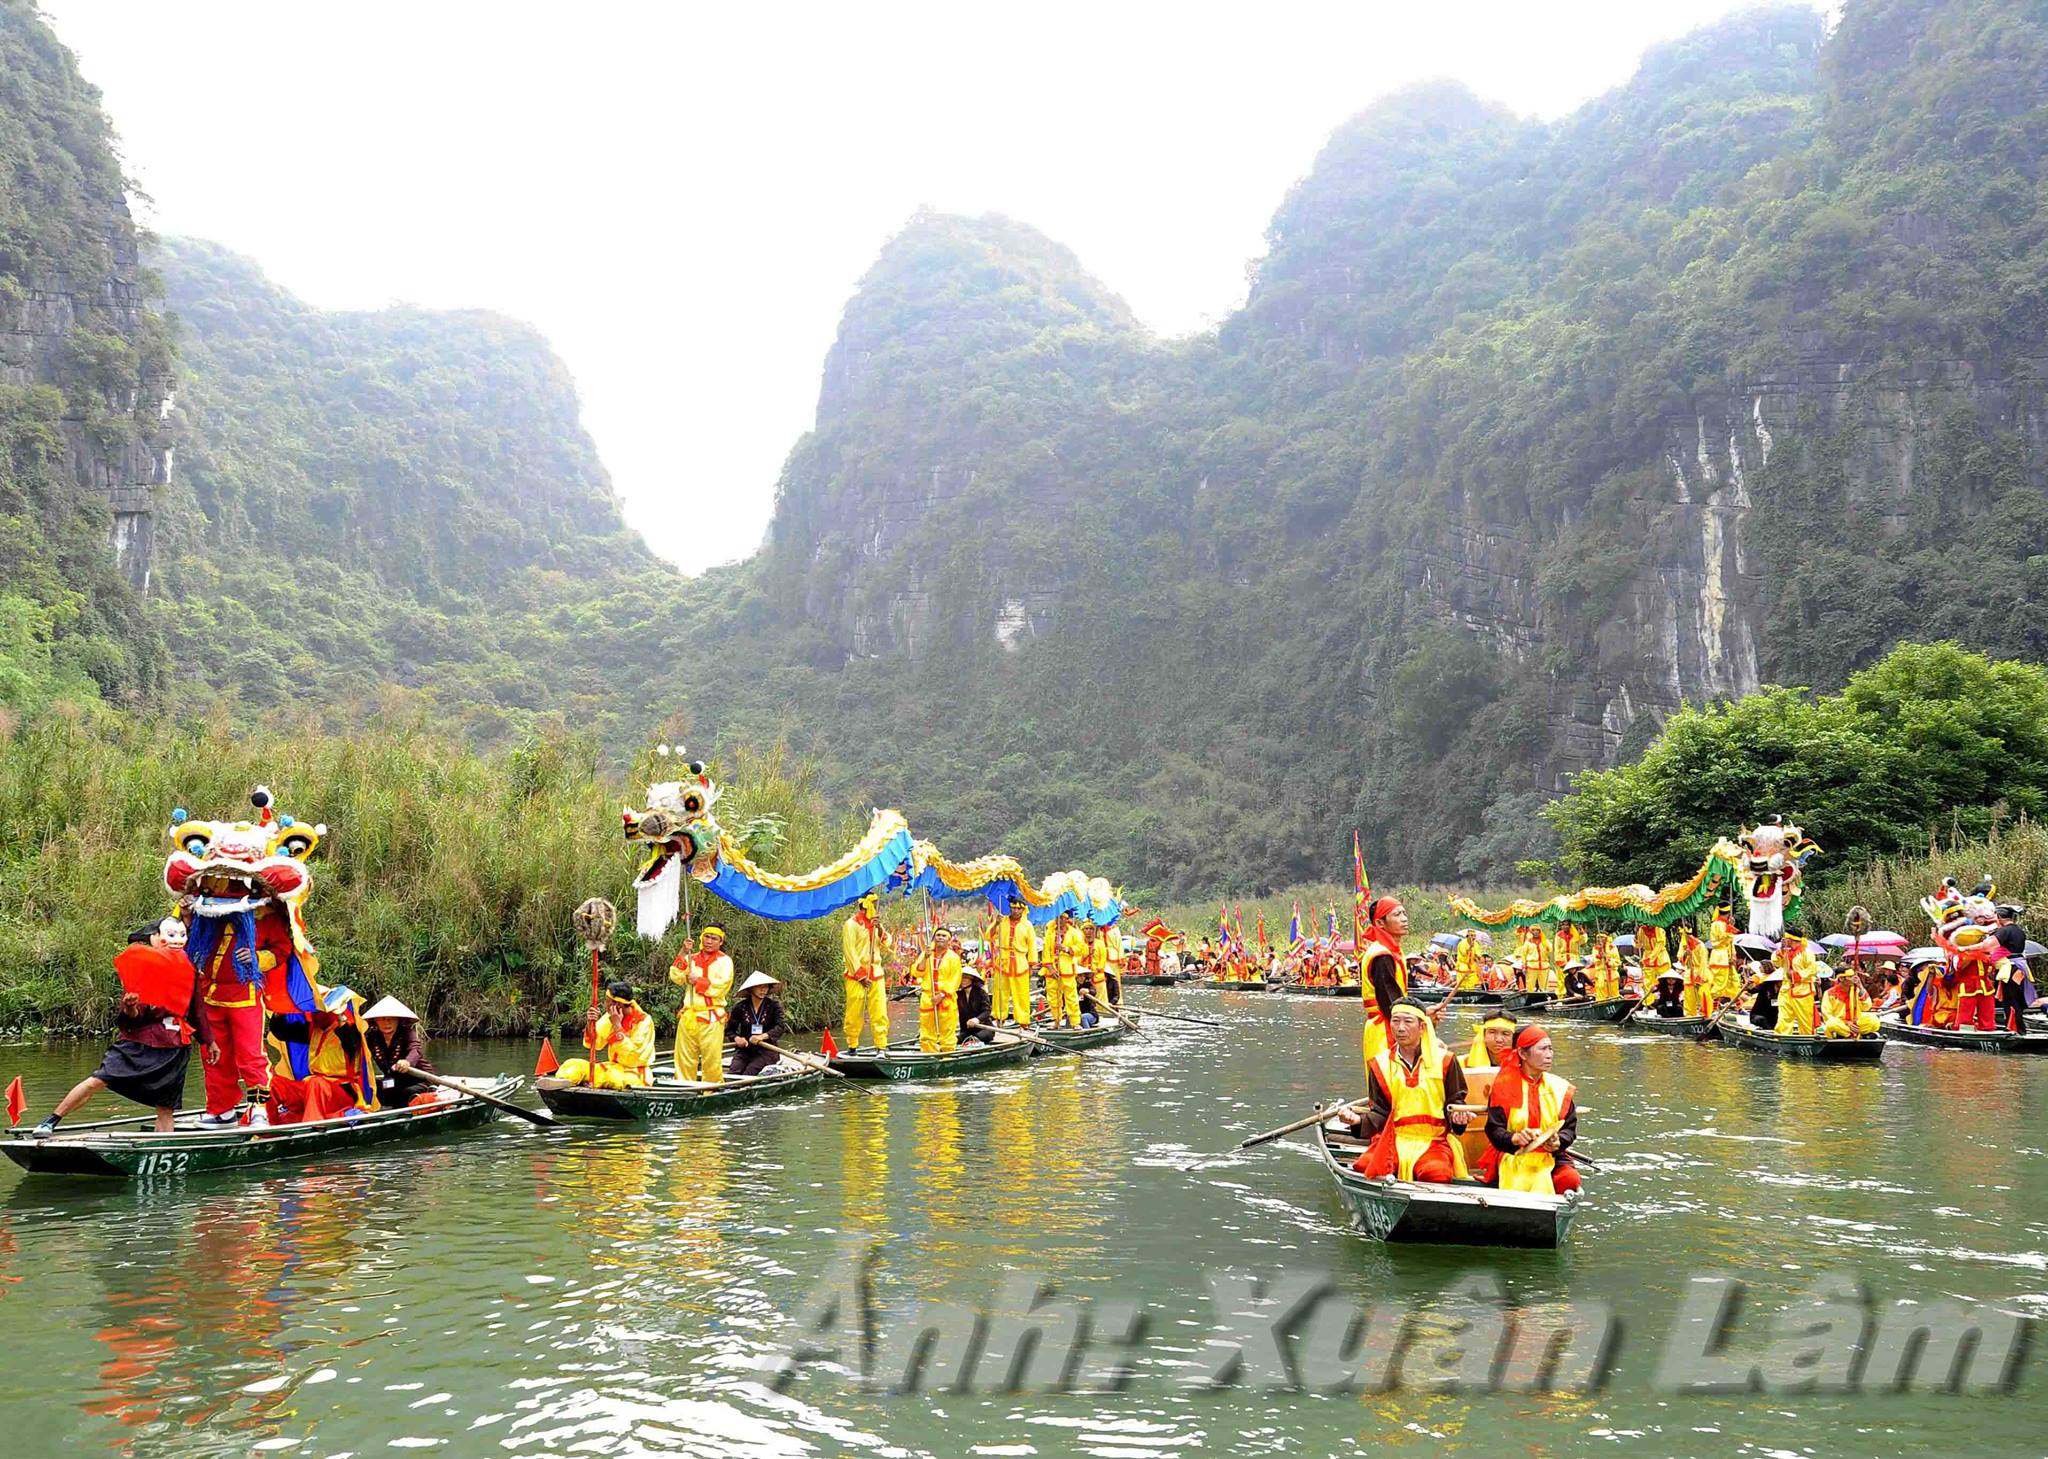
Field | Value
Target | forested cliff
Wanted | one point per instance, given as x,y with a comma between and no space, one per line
1525,434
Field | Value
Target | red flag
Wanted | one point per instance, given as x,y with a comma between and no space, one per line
1361,893
16,1102
826,1047
547,1063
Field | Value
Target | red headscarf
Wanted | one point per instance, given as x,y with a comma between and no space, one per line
1378,931
1513,1084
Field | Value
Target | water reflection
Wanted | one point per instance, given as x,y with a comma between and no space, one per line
597,1290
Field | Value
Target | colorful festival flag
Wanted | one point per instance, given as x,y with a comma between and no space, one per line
1361,892
1294,927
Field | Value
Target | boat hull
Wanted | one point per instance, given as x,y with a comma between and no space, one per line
1694,1025
671,1101
1972,1040
1800,1046
903,1062
1237,985
1077,1039
120,1151
1603,1010
1508,1000
1338,990
1464,1214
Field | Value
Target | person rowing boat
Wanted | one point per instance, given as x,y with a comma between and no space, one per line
625,1033
392,1037
1412,1090
755,1024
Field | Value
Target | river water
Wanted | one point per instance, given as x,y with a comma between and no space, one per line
590,1290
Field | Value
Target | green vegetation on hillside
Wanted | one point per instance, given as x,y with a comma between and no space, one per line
447,876
1930,739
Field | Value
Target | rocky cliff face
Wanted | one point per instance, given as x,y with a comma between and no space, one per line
1716,383
94,337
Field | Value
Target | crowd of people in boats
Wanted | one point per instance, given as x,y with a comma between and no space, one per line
343,1057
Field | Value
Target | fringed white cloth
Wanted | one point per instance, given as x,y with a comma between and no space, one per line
661,899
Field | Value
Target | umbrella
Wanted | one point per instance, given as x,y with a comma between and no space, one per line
1871,941
1627,940
1921,955
1756,942
1445,939
2033,949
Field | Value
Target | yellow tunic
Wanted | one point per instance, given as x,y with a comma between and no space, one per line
1469,962
1692,955
700,1022
1654,953
1845,1012
1529,1170
1417,1110
1016,949
1062,960
631,1051
864,960
1802,979
1724,982
1603,965
938,1002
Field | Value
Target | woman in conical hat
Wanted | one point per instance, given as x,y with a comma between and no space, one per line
393,1037
756,1021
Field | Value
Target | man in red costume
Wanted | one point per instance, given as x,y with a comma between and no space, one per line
1382,970
1411,1093
231,988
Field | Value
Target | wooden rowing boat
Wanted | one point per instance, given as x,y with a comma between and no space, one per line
131,1150
1461,1214
905,1061
1507,1000
1589,1010
1238,985
1429,992
1320,990
673,1099
1690,1024
1150,980
1079,1038
1737,1030
1994,1041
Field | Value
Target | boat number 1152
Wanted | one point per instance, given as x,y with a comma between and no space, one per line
163,1162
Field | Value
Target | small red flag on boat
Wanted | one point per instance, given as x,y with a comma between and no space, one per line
826,1047
547,1063
17,1102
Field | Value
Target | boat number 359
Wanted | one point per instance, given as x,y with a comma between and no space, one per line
164,1162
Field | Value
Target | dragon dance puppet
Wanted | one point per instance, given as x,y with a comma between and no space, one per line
1774,857
680,834
241,888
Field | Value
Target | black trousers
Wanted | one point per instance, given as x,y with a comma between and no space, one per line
751,1060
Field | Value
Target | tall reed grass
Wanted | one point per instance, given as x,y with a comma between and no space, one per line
447,876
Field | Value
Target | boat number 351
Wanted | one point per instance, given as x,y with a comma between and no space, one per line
164,1162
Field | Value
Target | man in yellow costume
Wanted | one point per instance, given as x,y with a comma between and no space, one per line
1061,961
625,1033
1496,1033
1845,1011
1571,943
1470,963
1103,954
998,986
938,995
1802,981
1603,965
1016,949
1539,962
864,958
1692,957
1410,1090
1724,978
1654,954
705,976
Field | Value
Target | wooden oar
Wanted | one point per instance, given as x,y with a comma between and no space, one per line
1041,1043
531,1116
809,1061
1150,1012
1322,1113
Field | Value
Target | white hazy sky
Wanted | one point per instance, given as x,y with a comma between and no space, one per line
682,197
